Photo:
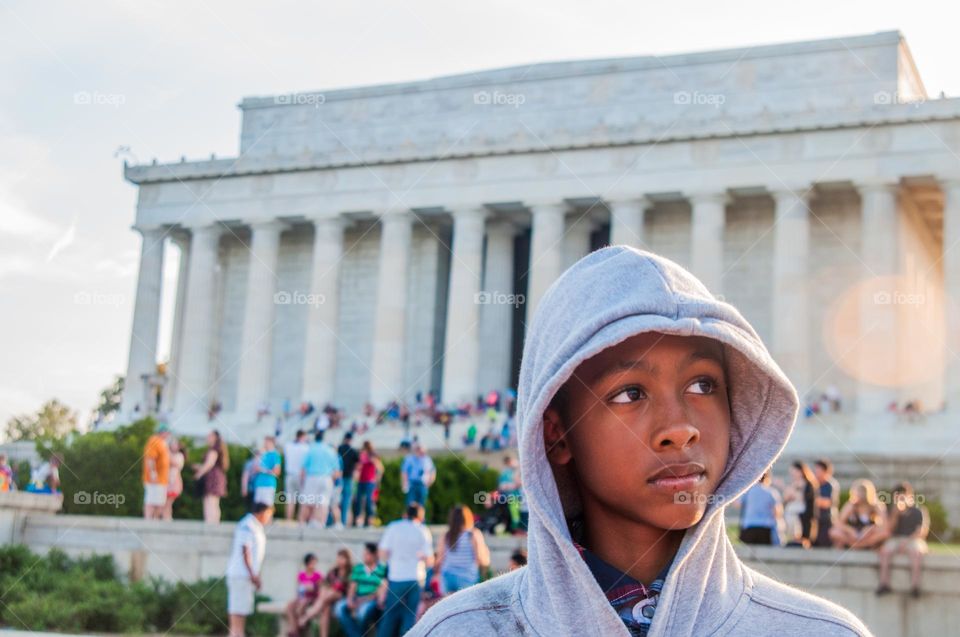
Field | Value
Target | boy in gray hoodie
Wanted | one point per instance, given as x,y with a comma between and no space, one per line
645,406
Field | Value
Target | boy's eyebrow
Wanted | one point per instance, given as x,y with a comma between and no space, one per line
625,365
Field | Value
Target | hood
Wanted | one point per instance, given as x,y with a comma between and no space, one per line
605,298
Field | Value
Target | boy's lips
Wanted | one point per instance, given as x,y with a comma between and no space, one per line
677,477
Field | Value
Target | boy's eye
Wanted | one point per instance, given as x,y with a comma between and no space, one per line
628,395
703,385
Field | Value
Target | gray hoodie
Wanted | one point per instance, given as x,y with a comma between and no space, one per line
605,298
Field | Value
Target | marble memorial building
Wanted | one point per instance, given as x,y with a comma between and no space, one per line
369,243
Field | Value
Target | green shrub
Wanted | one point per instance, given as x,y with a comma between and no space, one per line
88,489
56,592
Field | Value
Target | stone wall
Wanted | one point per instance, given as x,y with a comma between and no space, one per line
189,550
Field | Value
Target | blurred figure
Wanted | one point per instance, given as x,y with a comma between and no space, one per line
308,590
213,472
361,606
175,483
369,473
518,559
156,473
266,471
462,552
417,473
828,497
907,529
800,505
761,513
407,549
862,519
243,567
294,453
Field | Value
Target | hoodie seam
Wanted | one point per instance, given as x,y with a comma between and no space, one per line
667,285
760,599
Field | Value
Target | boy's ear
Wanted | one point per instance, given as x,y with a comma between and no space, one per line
555,438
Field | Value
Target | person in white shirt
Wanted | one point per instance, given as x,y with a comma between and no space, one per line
407,549
293,454
243,567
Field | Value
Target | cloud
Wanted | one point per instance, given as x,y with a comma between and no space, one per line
65,241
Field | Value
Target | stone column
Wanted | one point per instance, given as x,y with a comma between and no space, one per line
193,392
576,240
880,254
791,323
323,319
146,319
253,386
951,289
546,251
627,220
499,301
182,241
461,351
706,248
390,329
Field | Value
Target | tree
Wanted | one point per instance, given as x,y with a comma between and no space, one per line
54,420
110,398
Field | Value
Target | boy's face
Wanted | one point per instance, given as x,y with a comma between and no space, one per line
646,428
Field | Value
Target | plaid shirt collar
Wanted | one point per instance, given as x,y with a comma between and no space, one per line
633,602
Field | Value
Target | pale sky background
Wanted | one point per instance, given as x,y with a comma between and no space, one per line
180,68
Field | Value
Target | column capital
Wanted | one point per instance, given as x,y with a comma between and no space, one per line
396,216
788,196
151,231
877,185
641,202
708,196
328,221
207,229
476,211
558,207
268,225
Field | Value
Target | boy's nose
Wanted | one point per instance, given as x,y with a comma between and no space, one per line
677,432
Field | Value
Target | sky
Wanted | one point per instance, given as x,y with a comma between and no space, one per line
167,78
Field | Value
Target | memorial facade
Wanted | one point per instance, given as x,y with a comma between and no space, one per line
370,243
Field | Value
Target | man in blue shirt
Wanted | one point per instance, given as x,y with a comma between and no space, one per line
266,471
417,473
321,467
762,509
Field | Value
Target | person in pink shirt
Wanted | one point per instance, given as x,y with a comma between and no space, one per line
308,588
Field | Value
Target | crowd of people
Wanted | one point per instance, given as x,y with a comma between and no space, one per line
396,580
805,512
